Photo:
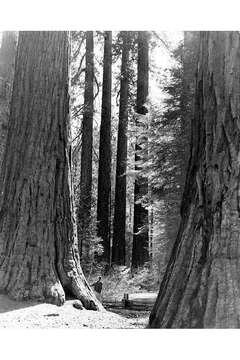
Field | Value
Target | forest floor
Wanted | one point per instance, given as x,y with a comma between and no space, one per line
14,314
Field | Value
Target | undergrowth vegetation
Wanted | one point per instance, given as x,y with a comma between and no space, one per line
120,280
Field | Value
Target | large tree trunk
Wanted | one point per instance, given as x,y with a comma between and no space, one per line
201,285
189,59
119,222
38,243
85,201
140,252
104,171
7,57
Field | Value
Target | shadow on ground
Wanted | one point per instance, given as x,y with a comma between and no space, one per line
137,317
7,304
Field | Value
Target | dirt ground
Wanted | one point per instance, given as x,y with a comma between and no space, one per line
15,314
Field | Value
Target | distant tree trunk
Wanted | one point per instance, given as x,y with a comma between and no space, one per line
140,253
84,207
119,222
7,57
201,285
151,233
38,243
104,171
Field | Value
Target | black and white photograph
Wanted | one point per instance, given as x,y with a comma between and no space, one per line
119,178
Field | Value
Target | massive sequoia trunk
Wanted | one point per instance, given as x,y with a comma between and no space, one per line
104,171
140,252
39,256
119,222
201,285
85,201
7,56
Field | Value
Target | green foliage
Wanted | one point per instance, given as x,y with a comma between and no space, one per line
90,263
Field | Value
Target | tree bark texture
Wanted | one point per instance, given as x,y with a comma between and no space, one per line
119,222
190,59
140,252
201,287
39,256
85,201
7,57
104,170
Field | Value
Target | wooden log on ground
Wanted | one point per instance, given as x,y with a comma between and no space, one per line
139,301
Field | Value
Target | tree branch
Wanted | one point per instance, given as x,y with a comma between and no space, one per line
97,87
76,113
166,45
118,94
94,151
77,51
79,70
77,136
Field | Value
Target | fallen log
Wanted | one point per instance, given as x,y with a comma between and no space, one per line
137,306
139,301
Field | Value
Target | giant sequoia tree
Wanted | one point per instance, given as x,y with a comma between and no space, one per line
7,56
104,170
85,202
201,285
140,222
119,222
39,256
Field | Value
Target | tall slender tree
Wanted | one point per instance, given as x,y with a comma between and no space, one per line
39,256
140,251
201,284
119,222
104,170
7,57
85,200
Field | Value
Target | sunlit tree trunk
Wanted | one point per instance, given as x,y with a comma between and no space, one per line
119,222
104,171
85,201
39,256
140,252
201,287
